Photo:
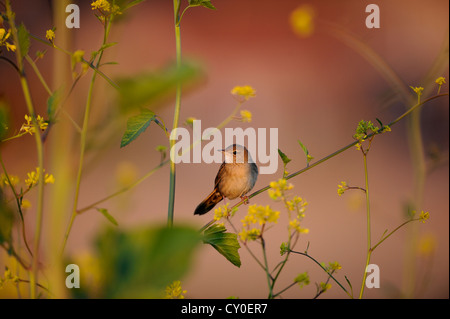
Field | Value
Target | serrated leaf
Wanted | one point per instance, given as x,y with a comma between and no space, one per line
105,213
136,125
225,243
203,3
24,39
140,262
283,156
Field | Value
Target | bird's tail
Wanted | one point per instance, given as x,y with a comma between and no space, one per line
209,202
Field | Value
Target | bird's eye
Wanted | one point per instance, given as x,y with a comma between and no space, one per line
234,152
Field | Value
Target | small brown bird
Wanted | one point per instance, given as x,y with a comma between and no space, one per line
236,177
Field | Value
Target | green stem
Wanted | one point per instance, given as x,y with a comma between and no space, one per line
369,243
323,268
270,282
40,155
176,116
83,140
123,190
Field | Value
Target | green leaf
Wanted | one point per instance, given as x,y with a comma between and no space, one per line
105,213
225,243
107,45
52,103
24,39
141,262
203,3
4,119
305,150
284,158
6,220
136,125
151,87
132,4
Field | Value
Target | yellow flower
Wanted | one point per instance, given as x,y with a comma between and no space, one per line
342,187
251,234
427,245
101,5
28,127
418,90
26,204
3,37
174,291
12,178
190,121
277,189
243,93
221,212
424,216
50,35
440,80
33,178
246,116
294,224
302,20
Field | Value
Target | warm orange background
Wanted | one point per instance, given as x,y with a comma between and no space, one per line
314,90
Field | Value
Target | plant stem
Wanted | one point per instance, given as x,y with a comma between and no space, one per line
40,154
176,116
83,139
320,265
369,244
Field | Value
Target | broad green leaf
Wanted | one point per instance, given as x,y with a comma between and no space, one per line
52,103
105,213
156,86
24,39
136,125
203,3
225,243
284,158
140,263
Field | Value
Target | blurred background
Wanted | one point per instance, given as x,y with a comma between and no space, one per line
313,88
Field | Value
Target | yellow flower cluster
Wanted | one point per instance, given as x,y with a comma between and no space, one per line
418,90
3,37
8,276
302,20
12,178
424,216
33,178
440,80
174,291
50,35
257,215
277,189
246,116
342,187
28,127
243,93
221,213
101,5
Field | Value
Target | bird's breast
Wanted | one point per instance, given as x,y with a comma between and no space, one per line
237,181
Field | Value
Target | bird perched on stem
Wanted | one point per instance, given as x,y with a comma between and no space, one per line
236,177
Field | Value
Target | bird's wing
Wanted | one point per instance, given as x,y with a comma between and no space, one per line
219,175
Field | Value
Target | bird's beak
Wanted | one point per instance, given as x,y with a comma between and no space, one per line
221,151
